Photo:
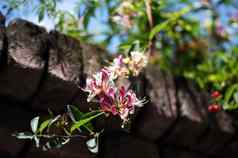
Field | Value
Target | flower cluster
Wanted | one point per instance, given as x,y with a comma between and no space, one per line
112,99
123,67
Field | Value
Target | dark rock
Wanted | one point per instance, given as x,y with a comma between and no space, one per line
75,149
168,152
54,94
19,82
123,145
215,137
12,119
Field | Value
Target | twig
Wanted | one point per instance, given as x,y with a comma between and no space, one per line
151,44
61,136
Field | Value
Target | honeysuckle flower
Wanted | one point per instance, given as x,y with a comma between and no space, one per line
120,102
124,113
137,62
127,101
107,104
118,68
100,83
102,87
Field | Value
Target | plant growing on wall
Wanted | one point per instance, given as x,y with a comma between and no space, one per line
194,39
103,89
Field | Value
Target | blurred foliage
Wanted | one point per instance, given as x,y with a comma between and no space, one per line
191,38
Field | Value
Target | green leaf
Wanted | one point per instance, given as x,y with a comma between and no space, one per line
78,124
23,135
93,143
44,125
89,114
34,124
76,115
230,91
230,106
174,17
158,28
41,13
236,97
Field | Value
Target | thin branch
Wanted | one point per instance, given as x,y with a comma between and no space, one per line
149,13
150,17
61,136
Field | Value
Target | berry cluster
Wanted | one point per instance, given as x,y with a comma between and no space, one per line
213,108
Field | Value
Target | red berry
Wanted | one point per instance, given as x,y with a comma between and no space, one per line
215,94
214,108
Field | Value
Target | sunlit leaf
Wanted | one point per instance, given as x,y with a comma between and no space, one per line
230,91
44,125
236,97
23,135
75,114
230,106
41,13
93,143
34,124
164,25
78,124
158,28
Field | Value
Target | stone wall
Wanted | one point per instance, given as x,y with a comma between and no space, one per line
41,70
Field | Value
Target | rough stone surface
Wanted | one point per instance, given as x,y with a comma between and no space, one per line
190,123
161,112
25,42
65,59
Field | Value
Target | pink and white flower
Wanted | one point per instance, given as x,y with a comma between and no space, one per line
118,68
137,62
102,87
128,99
120,102
107,104
100,83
